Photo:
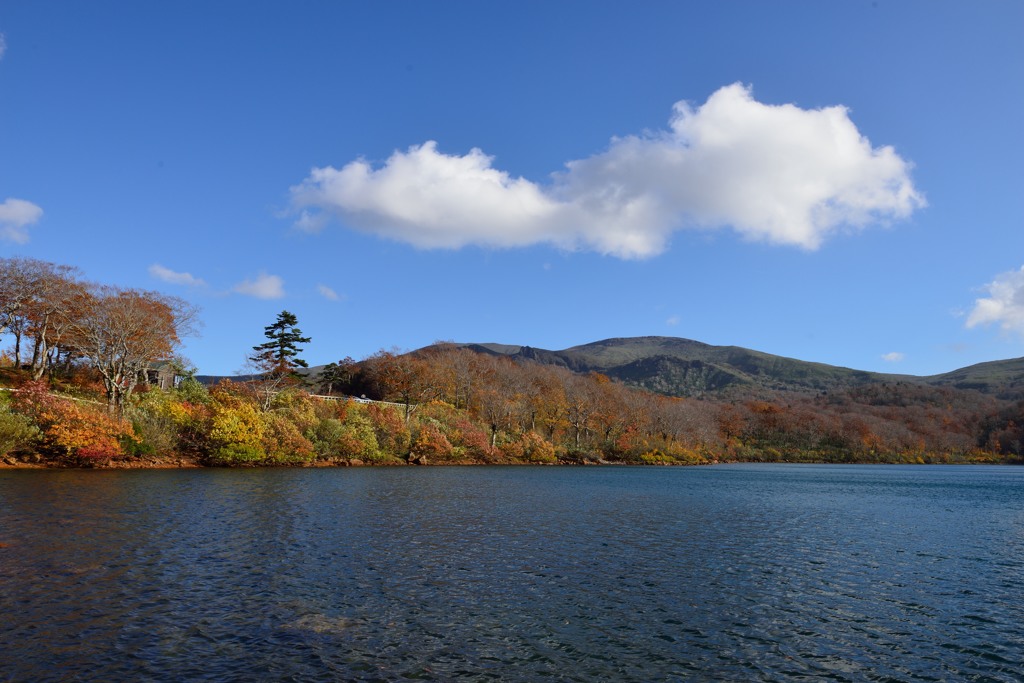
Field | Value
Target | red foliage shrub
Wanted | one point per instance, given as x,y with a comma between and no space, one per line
72,429
431,443
392,432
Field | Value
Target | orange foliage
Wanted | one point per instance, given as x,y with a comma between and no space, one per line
71,429
431,443
530,447
391,429
283,441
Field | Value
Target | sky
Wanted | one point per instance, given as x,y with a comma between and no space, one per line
840,182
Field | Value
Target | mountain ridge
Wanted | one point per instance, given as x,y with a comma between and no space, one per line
677,366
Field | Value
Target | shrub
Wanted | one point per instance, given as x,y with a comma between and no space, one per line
353,437
473,440
193,423
192,391
154,422
283,441
530,447
236,454
392,432
236,429
656,457
297,407
72,430
17,433
432,443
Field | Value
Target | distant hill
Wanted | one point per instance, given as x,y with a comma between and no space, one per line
683,367
1003,378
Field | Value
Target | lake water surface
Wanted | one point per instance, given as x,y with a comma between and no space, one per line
746,572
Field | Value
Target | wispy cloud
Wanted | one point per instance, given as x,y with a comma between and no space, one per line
1004,305
3,45
775,173
673,320
16,215
175,278
893,357
328,293
263,286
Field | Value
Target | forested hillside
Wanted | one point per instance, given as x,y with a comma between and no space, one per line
687,368
581,411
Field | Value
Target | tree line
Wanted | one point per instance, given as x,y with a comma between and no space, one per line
590,417
75,342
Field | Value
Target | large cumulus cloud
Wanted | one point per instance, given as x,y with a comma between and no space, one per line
774,173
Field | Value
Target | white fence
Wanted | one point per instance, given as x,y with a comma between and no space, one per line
320,396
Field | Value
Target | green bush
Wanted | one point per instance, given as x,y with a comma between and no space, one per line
192,391
351,438
237,454
17,433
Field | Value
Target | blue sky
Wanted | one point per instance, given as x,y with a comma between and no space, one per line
833,181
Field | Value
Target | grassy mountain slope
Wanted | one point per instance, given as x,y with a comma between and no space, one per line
1004,378
683,367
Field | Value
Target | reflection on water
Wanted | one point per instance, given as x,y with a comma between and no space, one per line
726,573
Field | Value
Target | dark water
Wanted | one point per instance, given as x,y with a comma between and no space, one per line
515,574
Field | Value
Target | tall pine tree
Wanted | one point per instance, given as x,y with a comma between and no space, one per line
280,353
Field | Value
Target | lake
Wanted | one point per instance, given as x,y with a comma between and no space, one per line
738,572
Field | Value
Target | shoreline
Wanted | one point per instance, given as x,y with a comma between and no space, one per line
189,464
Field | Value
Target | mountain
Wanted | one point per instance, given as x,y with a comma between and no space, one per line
1003,378
683,367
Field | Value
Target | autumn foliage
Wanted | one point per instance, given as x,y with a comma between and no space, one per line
82,352
72,430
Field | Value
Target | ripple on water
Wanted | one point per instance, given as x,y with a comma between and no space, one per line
725,573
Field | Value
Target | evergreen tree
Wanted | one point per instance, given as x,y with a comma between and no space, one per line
280,353
337,375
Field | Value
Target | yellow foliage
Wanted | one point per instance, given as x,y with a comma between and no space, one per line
236,423
283,441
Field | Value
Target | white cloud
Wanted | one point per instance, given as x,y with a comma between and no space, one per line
15,217
673,320
1004,304
328,293
893,357
175,278
775,173
3,45
264,286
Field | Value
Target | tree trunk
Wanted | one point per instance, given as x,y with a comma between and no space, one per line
40,356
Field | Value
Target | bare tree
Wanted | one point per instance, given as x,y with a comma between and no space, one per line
500,395
36,298
581,398
454,369
123,331
401,377
58,294
19,278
